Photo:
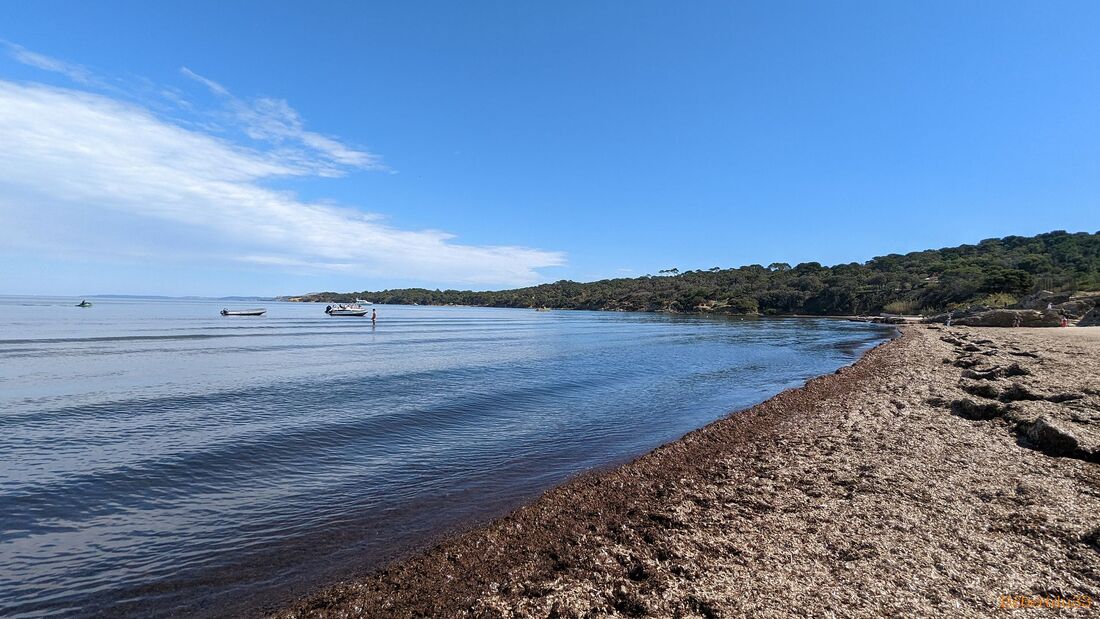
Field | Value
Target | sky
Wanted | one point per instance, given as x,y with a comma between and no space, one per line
268,148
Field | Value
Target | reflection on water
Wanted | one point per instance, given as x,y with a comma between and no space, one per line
158,459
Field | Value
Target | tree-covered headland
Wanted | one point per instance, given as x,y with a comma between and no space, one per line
995,272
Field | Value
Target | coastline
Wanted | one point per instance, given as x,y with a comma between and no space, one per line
924,479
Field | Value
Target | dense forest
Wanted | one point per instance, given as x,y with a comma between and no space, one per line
995,273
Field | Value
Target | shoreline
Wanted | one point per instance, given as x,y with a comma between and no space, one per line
604,309
865,488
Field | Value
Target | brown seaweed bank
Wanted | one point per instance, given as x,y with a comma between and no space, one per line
945,470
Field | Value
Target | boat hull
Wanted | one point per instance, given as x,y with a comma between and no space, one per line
255,312
359,313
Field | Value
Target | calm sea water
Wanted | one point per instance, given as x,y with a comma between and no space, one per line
157,459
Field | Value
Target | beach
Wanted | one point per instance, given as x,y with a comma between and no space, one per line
950,471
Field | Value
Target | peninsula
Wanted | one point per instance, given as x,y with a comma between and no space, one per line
994,273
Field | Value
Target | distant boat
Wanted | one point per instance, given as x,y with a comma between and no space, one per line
542,309
352,309
245,312
363,302
83,304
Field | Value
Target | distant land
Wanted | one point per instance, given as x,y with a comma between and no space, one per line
995,272
186,298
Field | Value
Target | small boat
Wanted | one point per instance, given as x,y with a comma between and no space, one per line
352,309
245,312
542,309
363,302
84,304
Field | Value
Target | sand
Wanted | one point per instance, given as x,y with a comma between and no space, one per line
945,470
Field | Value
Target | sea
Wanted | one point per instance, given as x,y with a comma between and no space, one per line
160,460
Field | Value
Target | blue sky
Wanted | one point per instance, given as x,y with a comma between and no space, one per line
267,148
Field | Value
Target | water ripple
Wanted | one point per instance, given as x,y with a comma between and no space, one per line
160,460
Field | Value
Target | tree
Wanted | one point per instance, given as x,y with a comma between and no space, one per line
743,305
1007,280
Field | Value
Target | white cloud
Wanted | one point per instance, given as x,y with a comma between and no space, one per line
276,122
214,87
114,177
74,72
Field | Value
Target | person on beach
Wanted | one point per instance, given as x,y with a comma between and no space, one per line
374,317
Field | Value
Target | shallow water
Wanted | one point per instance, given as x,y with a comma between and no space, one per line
157,459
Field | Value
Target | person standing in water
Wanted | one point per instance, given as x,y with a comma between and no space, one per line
373,317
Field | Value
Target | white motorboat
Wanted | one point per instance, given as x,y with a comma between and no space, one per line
350,309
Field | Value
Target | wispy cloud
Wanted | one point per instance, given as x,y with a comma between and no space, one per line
274,121
82,168
214,87
74,72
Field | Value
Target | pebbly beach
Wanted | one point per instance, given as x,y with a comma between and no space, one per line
951,471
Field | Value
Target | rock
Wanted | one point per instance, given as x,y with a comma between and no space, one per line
1018,392
969,409
1075,308
1052,437
1071,306
990,374
894,320
1091,319
1092,538
1022,416
1012,318
1041,299
1051,428
996,372
982,389
942,318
